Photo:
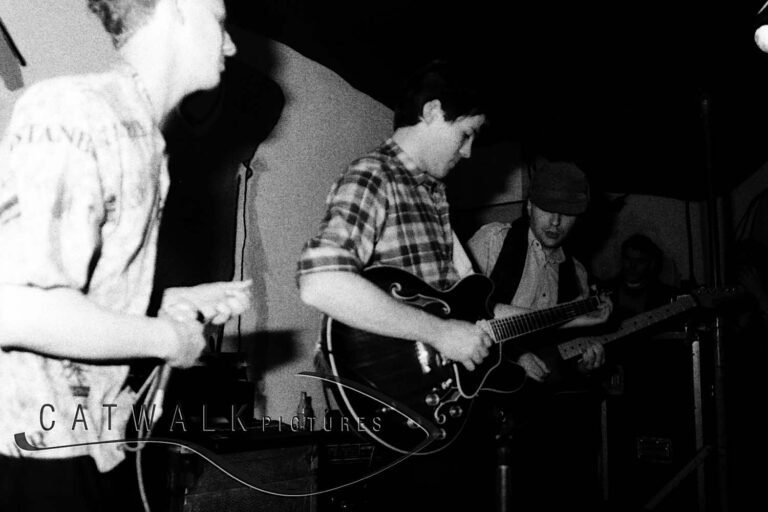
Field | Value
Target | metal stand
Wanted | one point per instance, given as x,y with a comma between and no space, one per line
722,440
703,451
503,462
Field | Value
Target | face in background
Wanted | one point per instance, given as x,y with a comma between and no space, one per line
636,266
448,141
206,42
550,228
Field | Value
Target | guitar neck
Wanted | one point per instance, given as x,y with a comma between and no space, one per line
575,347
518,325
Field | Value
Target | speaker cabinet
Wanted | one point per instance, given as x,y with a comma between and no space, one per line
652,424
276,466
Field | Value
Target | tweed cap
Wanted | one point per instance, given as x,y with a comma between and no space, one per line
559,187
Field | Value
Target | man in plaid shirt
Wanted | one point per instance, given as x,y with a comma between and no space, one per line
390,208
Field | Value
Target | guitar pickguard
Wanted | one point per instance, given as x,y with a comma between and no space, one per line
419,300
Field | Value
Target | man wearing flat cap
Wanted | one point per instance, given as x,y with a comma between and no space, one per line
531,270
527,263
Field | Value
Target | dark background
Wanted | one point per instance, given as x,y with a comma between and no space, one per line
620,88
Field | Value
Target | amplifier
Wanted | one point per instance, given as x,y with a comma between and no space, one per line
651,426
277,467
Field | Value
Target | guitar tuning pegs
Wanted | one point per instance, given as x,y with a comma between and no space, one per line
432,399
455,411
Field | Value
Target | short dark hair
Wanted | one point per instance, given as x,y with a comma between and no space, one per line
122,17
439,80
643,244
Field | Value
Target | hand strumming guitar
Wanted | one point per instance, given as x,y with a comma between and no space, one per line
463,342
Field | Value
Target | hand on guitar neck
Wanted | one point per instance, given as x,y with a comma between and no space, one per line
541,369
599,316
593,354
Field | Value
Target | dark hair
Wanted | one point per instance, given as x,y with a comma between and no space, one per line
645,245
122,17
439,80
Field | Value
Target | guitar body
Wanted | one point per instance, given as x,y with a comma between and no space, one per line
413,374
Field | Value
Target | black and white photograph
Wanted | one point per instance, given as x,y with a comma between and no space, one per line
300,256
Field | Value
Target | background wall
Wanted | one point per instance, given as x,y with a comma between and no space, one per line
324,125
55,38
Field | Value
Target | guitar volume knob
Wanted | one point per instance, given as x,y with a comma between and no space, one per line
455,411
432,399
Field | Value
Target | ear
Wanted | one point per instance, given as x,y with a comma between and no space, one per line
528,207
431,111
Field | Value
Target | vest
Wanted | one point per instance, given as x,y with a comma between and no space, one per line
508,270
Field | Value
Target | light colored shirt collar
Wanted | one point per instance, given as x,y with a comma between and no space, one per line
555,257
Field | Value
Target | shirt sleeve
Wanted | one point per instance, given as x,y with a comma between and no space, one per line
51,206
461,261
355,215
582,279
485,245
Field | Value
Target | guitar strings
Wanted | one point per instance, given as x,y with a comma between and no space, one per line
522,324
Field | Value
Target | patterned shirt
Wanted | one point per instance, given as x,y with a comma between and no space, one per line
384,210
83,178
539,282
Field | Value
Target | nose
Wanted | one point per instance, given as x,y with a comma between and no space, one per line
229,48
554,219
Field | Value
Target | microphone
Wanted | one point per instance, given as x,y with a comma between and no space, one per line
156,394
159,391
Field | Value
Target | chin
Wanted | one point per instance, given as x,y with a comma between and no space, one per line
211,82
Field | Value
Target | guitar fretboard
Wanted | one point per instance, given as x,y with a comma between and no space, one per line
514,326
576,346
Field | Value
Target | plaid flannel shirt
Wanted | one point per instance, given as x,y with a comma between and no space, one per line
384,210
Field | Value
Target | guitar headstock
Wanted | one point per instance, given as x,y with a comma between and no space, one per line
716,296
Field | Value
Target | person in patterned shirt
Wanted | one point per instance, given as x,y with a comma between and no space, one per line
389,208
83,179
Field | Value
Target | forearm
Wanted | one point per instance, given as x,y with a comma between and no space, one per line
353,300
62,322
504,310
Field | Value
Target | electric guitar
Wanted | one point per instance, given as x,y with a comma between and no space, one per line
573,348
414,374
